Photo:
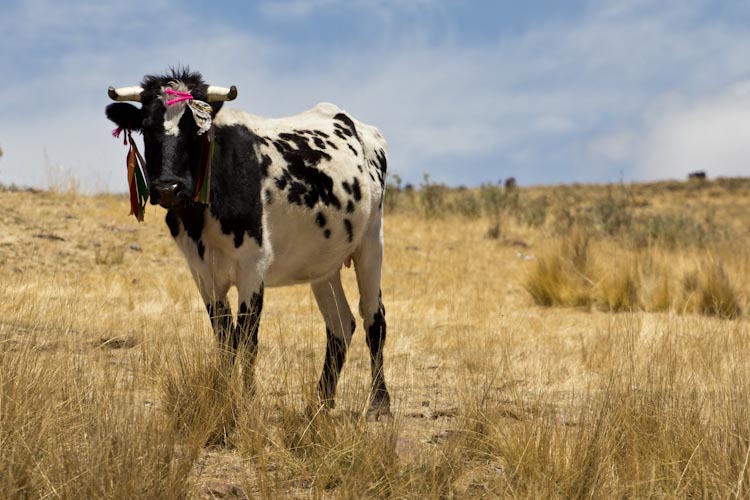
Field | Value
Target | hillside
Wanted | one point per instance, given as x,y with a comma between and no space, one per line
560,341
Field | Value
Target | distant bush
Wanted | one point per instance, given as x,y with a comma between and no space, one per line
568,275
467,205
433,197
674,230
392,194
533,211
496,199
612,214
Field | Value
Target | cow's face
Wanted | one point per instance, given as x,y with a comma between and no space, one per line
173,146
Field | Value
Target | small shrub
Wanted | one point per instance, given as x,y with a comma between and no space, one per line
612,214
564,219
533,212
559,277
717,296
494,232
392,194
496,199
672,231
433,198
619,291
660,298
547,282
708,291
467,205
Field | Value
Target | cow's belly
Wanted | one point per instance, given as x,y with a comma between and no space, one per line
293,273
301,251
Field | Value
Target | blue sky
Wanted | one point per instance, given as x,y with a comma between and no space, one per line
469,91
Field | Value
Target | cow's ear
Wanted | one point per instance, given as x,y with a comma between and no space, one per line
125,115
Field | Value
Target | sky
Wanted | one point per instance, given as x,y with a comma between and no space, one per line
545,91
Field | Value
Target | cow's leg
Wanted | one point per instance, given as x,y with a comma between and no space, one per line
368,261
220,315
245,338
340,324
214,294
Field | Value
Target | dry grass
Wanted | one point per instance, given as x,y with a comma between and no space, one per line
637,387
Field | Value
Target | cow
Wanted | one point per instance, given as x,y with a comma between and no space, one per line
291,200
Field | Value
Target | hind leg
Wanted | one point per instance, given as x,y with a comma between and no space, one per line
368,261
340,324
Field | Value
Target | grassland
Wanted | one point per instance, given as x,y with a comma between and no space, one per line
559,342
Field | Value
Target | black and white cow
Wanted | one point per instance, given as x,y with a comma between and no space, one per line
292,199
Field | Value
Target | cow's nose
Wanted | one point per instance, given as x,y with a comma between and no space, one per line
167,195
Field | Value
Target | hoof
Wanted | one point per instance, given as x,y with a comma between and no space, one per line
379,413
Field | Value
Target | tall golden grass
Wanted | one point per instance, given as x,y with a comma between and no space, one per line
594,354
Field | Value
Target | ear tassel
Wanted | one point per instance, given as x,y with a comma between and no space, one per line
136,178
136,167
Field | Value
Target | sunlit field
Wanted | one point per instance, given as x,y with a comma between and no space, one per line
547,342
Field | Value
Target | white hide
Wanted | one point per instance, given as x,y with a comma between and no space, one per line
294,250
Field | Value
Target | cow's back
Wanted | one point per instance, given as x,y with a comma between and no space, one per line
322,188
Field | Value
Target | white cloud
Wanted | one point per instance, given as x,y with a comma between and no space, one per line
710,133
564,100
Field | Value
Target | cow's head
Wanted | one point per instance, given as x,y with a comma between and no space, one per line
170,133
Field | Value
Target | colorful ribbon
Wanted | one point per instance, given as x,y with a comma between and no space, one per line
136,175
181,96
136,165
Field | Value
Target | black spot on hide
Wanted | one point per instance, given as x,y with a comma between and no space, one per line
236,178
308,184
350,129
191,217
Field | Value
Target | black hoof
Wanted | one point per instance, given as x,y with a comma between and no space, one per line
379,409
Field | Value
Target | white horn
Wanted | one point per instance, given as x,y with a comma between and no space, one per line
221,93
125,94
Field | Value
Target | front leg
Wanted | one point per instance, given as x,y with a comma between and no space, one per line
213,290
245,338
220,314
208,268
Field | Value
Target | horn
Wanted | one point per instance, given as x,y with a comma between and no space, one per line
221,93
125,93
